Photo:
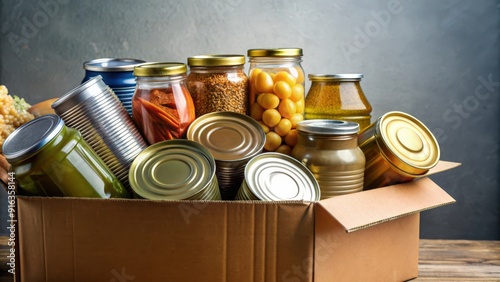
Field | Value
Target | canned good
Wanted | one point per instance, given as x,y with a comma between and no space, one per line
337,97
218,83
277,177
162,107
51,159
175,170
329,148
117,73
277,95
398,148
94,110
233,139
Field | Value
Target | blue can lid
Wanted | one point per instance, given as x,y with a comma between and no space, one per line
112,64
31,137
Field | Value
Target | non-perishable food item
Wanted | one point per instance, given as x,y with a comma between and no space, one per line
162,107
175,170
398,148
337,97
277,95
96,112
329,148
218,83
117,73
51,159
233,139
274,176
13,113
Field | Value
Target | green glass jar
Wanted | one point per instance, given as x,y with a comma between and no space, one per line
51,159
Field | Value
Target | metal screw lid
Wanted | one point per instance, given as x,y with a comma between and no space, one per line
160,69
31,137
335,77
216,60
278,52
406,142
328,127
112,64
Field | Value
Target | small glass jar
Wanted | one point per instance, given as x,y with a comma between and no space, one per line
51,159
329,148
337,97
162,107
277,95
218,83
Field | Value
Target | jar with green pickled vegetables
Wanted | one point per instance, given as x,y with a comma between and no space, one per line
162,107
51,159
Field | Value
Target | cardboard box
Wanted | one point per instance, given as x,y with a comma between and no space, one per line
366,236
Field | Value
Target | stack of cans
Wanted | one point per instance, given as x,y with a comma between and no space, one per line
277,177
175,170
233,139
117,73
96,112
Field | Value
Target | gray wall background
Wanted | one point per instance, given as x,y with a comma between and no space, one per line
436,60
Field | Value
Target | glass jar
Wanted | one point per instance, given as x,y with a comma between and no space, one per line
51,159
329,148
162,107
277,95
337,97
117,73
218,83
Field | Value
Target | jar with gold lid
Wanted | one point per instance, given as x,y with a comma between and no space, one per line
337,97
277,94
218,83
329,148
398,148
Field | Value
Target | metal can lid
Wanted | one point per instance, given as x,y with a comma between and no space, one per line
278,52
274,176
172,170
160,69
328,127
335,77
228,136
31,137
79,94
216,60
112,64
406,142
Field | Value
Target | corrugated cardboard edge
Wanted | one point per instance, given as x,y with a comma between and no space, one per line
361,210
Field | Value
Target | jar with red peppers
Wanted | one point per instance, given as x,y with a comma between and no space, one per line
162,107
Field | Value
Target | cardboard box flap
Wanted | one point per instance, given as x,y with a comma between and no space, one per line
441,166
361,210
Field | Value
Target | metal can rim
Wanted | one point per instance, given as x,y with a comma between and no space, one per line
103,64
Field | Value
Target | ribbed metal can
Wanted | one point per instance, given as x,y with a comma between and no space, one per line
275,176
175,170
94,110
329,148
398,148
117,73
51,159
233,139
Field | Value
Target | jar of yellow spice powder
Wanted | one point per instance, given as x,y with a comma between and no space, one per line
337,97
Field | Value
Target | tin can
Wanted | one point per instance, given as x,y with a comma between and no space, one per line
162,107
337,97
94,110
233,139
175,170
329,148
218,83
117,73
277,94
275,176
398,148
51,159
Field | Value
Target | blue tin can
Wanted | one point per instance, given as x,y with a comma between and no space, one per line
117,73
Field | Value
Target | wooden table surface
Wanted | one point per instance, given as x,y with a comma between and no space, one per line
440,260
